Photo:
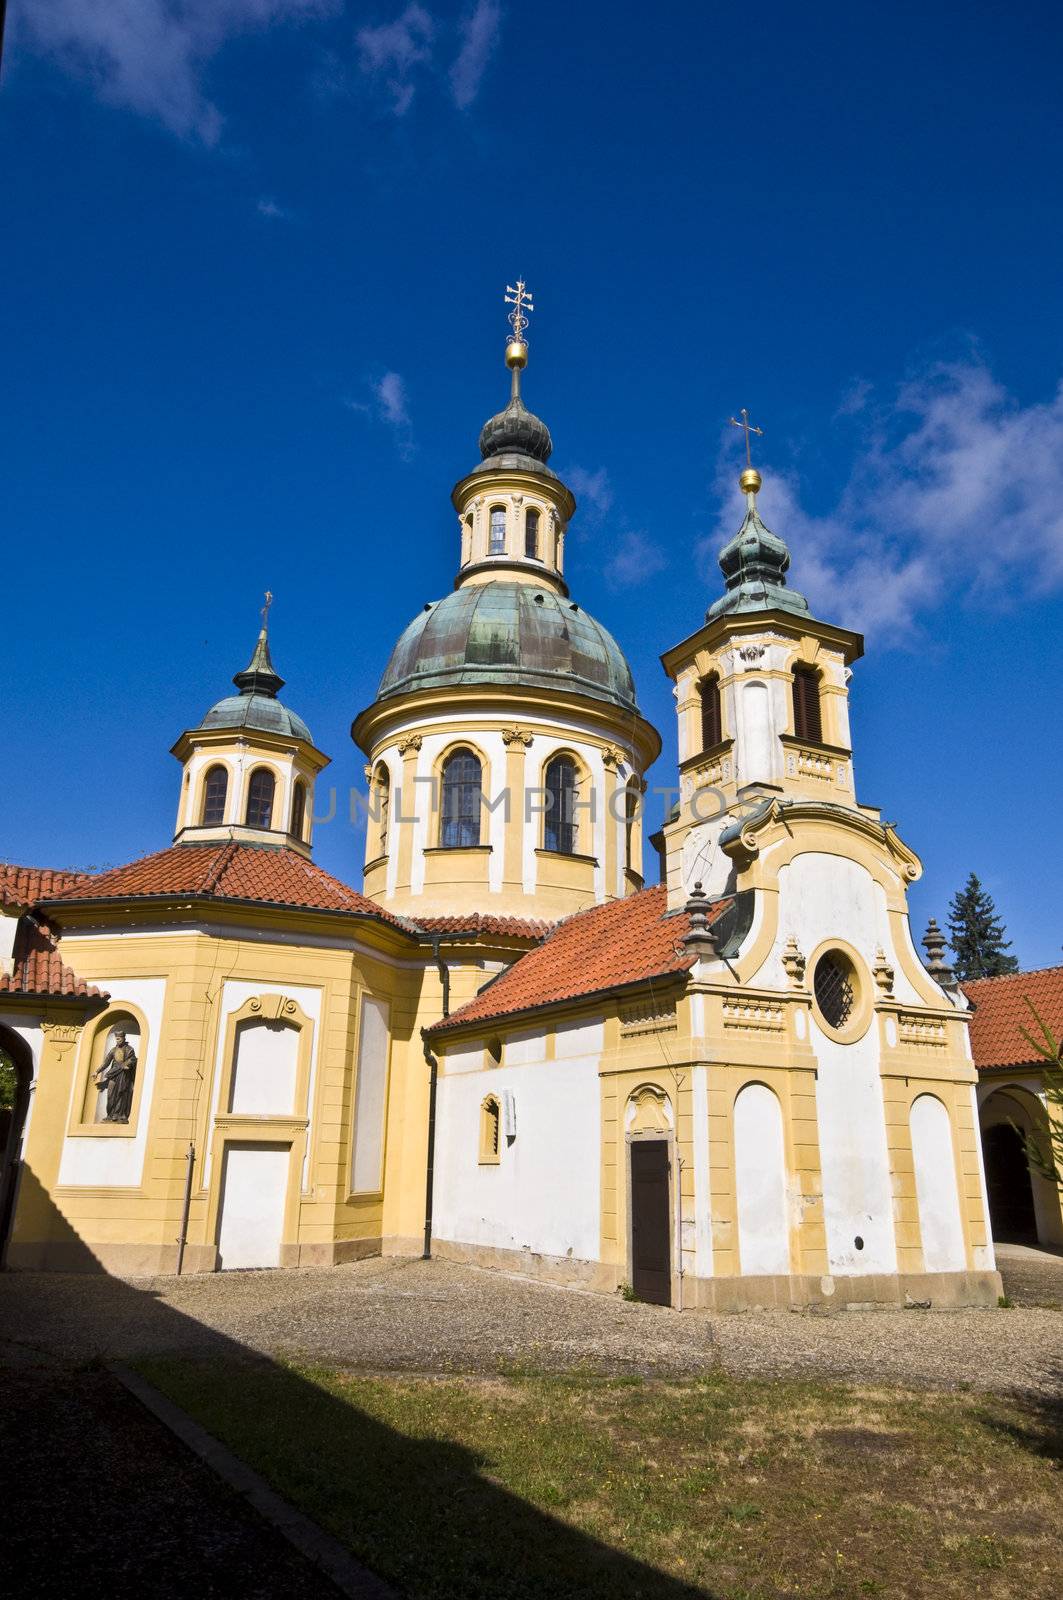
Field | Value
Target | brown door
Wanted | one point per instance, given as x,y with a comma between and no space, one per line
651,1257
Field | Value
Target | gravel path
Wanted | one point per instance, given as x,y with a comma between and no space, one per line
435,1317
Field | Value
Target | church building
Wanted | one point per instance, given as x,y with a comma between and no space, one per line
740,1086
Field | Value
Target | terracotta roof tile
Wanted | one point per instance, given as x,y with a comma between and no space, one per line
608,947
25,886
1002,1013
229,871
485,922
38,968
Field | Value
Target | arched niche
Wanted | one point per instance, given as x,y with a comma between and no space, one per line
934,1159
760,1182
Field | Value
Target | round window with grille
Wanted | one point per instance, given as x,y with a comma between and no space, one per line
834,985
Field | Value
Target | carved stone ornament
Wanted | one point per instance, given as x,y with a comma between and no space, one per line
613,757
411,741
518,499
274,1007
883,973
517,736
751,655
60,1035
793,963
699,938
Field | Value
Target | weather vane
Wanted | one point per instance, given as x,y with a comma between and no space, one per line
747,428
265,608
520,299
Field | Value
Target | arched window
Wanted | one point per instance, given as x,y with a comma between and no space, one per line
711,719
382,779
807,722
490,1130
560,826
215,793
461,800
631,811
497,543
260,798
531,534
298,810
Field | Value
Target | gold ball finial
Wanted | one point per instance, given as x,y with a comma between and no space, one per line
750,481
516,354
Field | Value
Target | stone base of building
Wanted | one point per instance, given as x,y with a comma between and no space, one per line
160,1260
565,1270
890,1291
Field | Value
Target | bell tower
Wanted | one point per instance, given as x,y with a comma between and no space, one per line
762,701
250,765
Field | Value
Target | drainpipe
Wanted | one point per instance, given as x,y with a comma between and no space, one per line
433,1081
190,1165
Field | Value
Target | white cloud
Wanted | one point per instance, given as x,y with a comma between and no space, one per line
389,405
268,207
635,558
480,32
395,50
150,55
592,489
955,494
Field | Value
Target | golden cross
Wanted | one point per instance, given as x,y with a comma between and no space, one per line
747,428
265,608
520,299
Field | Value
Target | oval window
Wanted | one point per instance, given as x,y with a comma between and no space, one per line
834,986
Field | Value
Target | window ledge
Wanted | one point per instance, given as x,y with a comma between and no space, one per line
567,855
458,849
837,750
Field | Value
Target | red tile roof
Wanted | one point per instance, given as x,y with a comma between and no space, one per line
608,947
1002,1013
39,970
229,871
485,922
25,886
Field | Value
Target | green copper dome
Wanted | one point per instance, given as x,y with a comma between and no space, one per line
754,564
257,706
509,633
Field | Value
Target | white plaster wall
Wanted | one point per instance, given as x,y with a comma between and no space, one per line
264,1071
87,1160
371,1085
544,1194
233,996
522,1048
755,734
940,1224
857,1191
574,1039
760,1179
251,1220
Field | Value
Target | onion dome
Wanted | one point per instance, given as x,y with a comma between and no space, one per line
509,633
256,705
754,564
516,430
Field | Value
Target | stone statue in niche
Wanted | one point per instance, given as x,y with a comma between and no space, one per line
117,1073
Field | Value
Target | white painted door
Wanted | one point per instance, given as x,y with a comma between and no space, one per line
254,1183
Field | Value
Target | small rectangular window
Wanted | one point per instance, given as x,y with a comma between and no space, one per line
807,722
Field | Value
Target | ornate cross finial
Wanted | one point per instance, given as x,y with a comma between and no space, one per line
520,299
747,428
265,609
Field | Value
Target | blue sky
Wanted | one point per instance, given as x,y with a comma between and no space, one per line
253,259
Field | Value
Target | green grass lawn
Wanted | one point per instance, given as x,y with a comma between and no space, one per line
531,1486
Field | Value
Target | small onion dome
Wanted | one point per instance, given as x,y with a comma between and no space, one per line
509,633
257,706
516,430
754,565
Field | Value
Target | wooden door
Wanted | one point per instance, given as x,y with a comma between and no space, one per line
651,1222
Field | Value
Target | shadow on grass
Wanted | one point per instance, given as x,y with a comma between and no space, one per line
1035,1421
423,1514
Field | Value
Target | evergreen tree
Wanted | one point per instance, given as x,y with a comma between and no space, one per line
976,934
